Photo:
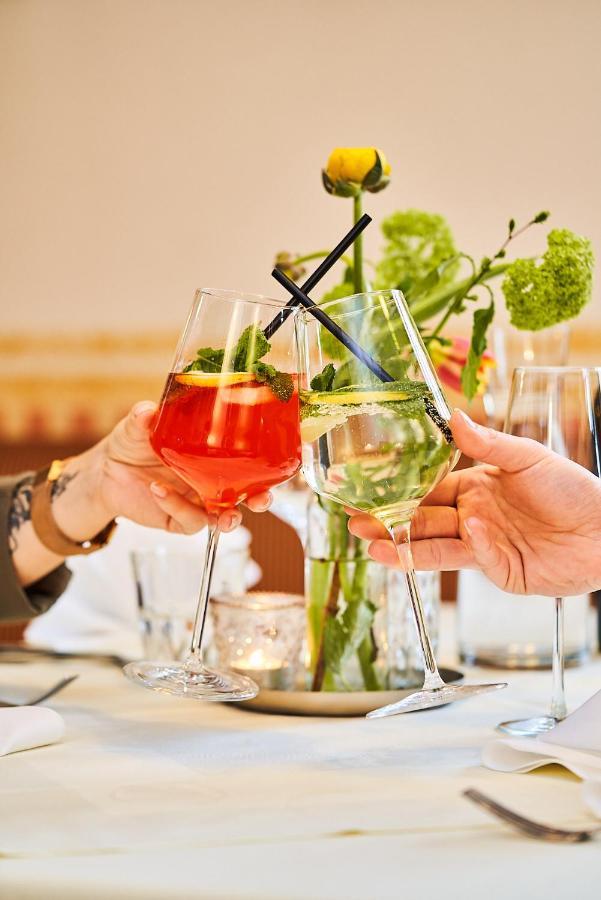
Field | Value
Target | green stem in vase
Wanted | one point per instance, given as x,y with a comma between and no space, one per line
358,245
330,611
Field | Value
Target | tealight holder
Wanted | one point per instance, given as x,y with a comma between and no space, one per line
260,634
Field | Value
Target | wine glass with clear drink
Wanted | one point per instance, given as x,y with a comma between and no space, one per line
559,406
378,447
228,424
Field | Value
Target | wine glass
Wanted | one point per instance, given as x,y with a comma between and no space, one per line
378,447
559,407
228,424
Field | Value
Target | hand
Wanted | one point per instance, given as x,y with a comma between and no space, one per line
528,518
122,476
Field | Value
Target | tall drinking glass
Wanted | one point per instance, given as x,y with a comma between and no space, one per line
228,424
557,406
377,447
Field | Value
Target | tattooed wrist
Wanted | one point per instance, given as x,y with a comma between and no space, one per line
20,510
60,485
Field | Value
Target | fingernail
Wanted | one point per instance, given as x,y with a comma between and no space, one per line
159,490
232,520
142,407
473,425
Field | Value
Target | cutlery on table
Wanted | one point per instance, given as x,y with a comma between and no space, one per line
59,686
530,826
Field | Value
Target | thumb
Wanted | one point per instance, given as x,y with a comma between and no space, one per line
510,453
137,421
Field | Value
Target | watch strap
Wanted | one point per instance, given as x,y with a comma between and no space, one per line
44,523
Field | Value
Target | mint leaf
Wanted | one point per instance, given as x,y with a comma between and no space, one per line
207,360
281,383
324,381
252,345
469,376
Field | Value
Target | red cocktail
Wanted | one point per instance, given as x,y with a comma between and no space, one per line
229,426
228,436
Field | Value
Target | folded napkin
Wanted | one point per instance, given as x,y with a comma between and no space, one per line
574,743
25,727
98,613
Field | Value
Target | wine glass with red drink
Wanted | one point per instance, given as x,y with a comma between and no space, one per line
228,424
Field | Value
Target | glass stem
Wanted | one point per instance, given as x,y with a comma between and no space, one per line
432,679
194,658
558,699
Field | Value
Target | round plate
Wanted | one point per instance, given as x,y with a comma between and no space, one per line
333,703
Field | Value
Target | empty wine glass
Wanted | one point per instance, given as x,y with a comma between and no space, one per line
559,407
378,447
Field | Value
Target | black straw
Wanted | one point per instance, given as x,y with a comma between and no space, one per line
352,345
344,338
324,266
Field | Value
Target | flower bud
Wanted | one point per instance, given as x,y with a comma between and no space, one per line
354,169
284,262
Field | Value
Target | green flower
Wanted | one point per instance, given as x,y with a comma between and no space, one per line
417,242
542,293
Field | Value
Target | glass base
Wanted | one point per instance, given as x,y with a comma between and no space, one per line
437,697
519,658
528,727
199,683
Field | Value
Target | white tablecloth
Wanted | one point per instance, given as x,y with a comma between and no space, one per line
152,797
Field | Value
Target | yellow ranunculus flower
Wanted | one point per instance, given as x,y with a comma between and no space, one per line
352,169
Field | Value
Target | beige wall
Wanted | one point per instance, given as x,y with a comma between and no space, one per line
149,146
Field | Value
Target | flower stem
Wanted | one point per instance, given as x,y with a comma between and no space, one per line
358,245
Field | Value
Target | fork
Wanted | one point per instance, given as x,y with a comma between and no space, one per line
53,690
529,826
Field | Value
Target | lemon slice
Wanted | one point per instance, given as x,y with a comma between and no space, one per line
345,399
216,379
313,427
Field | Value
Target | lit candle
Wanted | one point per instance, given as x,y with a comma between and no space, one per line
258,661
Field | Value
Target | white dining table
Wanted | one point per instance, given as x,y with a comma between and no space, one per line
150,796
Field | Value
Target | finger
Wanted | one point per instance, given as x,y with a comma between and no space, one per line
260,502
137,422
129,440
510,453
435,554
445,493
487,554
364,526
229,519
183,516
434,522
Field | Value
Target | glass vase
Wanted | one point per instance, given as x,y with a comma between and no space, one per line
361,634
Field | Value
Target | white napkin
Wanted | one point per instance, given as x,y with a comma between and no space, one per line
25,727
98,612
574,743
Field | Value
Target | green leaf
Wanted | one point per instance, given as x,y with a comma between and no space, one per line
425,285
252,345
324,381
346,189
207,360
469,375
327,182
280,383
374,175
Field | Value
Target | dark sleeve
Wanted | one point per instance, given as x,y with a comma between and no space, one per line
17,602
